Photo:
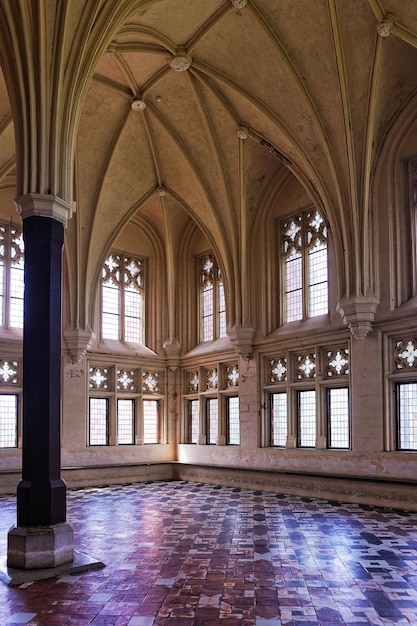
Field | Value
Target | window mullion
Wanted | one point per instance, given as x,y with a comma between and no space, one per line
7,277
304,248
122,298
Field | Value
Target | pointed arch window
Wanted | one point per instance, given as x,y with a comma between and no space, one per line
11,276
212,301
304,267
122,305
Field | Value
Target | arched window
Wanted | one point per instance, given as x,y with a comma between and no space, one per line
304,267
122,298
11,276
212,302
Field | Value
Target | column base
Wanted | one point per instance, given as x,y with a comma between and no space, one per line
15,577
40,547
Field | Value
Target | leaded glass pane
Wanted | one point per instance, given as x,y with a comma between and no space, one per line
233,421
133,316
212,420
110,312
304,253
407,416
317,281
125,421
307,419
338,416
2,322
16,278
98,422
222,310
208,313
279,423
122,299
212,300
8,420
150,421
293,289
194,417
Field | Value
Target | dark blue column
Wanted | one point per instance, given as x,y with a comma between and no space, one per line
41,494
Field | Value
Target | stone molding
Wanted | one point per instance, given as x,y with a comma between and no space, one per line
358,313
241,338
172,349
44,205
77,342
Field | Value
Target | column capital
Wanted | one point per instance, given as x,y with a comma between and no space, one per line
241,338
78,341
358,313
44,205
172,349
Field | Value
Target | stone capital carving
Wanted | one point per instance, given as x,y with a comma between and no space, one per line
77,342
358,313
172,349
241,338
44,205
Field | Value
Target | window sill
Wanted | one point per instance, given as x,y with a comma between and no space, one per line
306,326
110,346
211,346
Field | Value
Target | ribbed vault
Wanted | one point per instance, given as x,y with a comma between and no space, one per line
188,110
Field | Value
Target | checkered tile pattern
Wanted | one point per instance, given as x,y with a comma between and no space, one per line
183,554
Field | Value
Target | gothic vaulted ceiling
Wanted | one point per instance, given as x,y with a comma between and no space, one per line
196,107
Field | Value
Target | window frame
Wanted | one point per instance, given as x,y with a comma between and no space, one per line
328,391
17,420
105,400
189,421
157,403
229,436
127,381
217,300
125,259
317,368
218,380
401,368
271,395
11,369
12,251
305,253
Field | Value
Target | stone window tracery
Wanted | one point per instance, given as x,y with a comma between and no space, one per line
122,298
212,300
307,399
305,272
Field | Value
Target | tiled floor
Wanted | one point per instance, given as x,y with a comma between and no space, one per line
182,554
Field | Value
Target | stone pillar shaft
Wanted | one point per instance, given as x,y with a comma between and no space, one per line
41,494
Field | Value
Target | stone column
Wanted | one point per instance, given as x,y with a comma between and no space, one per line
42,537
